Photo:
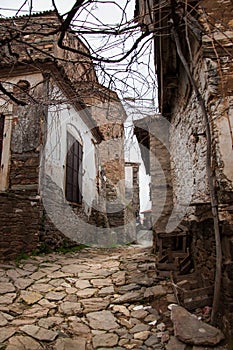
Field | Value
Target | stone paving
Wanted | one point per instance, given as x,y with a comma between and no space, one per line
92,299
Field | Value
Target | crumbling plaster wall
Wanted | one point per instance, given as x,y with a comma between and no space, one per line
209,30
188,162
109,115
24,210
62,119
20,207
58,214
160,171
188,149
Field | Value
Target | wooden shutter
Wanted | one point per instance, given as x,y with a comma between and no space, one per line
2,119
73,170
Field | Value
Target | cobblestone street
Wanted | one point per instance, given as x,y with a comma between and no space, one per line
92,299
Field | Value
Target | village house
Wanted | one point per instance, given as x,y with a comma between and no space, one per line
194,66
61,144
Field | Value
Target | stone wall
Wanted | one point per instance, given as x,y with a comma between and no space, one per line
212,70
133,193
160,171
205,34
20,218
153,137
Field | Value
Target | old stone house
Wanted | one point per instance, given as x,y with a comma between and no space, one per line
61,143
193,60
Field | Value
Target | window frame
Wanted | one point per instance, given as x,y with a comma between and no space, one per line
73,170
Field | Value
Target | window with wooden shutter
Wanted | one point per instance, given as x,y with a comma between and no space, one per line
2,119
73,170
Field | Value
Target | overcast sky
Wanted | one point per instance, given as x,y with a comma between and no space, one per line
10,7
103,10
140,81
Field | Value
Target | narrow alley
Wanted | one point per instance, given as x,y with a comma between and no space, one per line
91,299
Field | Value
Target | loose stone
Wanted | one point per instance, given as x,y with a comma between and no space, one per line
47,304
125,322
29,267
79,328
103,320
37,275
30,297
23,321
36,311
70,344
156,292
39,333
106,291
108,340
94,304
41,287
128,297
86,293
23,283
139,328
139,314
3,320
118,278
101,282
6,333
82,284
152,340
50,321
175,344
71,290
122,309
142,335
23,343
55,296
6,287
70,308
57,274
128,288
161,327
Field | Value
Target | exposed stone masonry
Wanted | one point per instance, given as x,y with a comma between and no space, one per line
22,234
205,35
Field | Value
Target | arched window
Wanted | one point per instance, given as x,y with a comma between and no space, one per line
74,157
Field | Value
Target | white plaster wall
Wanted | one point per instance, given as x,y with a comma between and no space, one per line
62,119
129,177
